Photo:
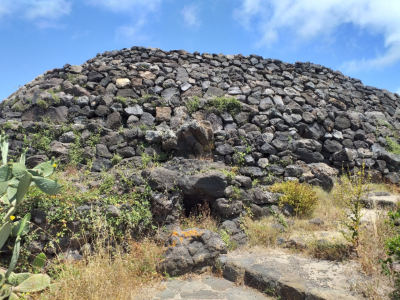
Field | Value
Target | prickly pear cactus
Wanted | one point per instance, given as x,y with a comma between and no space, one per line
15,180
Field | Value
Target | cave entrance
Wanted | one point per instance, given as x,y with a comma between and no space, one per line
194,205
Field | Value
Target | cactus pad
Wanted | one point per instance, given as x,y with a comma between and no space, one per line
23,186
47,167
18,170
16,279
5,172
4,233
48,186
35,283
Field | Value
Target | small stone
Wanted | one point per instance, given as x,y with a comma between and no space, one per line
113,211
38,216
135,110
278,227
280,241
123,83
163,114
316,221
263,162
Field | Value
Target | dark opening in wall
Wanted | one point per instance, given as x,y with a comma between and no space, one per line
191,204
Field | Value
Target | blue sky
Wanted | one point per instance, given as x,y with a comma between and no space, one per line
360,38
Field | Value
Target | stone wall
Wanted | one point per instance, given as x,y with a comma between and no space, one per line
145,100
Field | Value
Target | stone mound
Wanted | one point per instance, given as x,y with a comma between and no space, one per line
295,114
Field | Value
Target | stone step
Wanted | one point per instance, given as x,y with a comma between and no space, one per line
381,200
291,276
207,287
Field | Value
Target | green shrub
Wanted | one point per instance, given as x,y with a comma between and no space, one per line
221,104
230,243
392,146
72,78
116,159
121,100
192,104
349,196
42,104
300,196
55,97
392,246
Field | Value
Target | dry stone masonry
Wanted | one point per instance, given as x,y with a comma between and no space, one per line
287,121
291,114
298,120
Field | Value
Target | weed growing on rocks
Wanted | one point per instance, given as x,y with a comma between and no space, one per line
390,265
200,217
298,195
192,104
221,104
349,196
230,243
392,146
116,159
260,232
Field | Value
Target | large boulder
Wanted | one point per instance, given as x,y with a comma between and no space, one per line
194,137
210,184
191,250
161,179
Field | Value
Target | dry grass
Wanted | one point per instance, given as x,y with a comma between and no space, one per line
260,232
327,209
71,171
200,217
332,250
391,187
372,243
107,275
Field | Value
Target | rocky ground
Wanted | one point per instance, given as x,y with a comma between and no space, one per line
207,287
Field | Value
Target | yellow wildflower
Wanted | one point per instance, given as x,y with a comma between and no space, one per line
54,165
12,218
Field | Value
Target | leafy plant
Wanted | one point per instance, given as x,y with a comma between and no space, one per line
298,195
72,78
55,97
221,104
42,104
237,194
15,180
192,104
75,152
121,100
116,159
392,146
392,246
231,244
349,197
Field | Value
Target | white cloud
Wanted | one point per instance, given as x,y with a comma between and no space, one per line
190,15
138,11
42,12
132,32
126,6
46,9
311,19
